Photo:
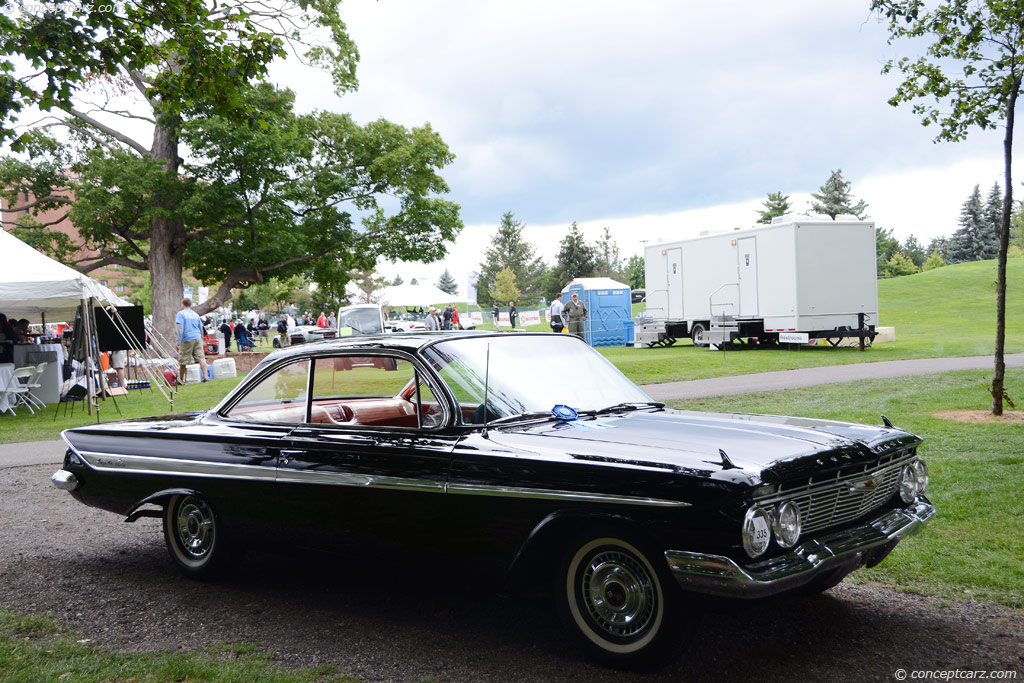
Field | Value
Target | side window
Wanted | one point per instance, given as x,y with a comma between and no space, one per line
278,397
371,390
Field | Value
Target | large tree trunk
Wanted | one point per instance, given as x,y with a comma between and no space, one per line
167,239
998,390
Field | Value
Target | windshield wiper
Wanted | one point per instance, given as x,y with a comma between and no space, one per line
629,405
520,416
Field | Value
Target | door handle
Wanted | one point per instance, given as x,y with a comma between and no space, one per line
287,454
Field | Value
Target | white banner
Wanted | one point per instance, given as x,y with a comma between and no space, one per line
529,318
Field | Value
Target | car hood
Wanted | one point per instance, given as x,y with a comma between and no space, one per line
760,447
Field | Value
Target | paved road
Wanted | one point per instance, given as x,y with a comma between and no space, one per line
52,452
831,374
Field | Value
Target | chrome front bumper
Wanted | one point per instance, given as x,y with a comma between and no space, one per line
867,545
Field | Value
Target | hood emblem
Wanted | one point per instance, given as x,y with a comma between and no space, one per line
864,485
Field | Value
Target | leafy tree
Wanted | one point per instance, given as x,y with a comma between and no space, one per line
776,205
510,249
935,260
899,264
505,288
609,261
968,242
985,37
187,61
271,293
885,246
913,250
835,199
636,271
1017,226
447,283
575,259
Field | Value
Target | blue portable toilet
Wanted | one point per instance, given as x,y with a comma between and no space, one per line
609,311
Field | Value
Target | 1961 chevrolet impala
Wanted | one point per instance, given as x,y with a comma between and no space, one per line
530,448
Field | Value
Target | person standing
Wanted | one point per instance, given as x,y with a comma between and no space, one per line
455,318
321,322
431,324
446,318
576,313
556,314
282,330
512,314
495,314
263,327
225,331
190,340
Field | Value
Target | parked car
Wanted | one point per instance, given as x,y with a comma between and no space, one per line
637,296
449,443
302,334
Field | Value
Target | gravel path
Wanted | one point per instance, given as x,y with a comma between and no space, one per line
114,583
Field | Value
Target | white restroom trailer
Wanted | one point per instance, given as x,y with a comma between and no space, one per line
799,278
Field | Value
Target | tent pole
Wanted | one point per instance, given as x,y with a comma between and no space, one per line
87,340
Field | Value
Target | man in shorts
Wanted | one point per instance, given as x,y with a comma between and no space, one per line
190,340
118,359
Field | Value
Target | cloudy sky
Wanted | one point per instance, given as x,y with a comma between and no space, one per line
657,119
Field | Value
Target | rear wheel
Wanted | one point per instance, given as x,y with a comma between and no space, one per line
193,538
699,334
623,609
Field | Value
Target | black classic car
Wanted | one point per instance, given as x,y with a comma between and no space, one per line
529,448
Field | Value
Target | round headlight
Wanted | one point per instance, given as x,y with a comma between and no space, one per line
908,484
787,524
757,533
921,473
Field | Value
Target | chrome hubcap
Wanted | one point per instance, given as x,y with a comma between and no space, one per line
618,593
194,523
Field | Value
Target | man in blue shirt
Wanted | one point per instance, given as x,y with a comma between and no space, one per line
190,340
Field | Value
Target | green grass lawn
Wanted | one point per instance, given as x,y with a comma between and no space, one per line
141,403
973,548
35,648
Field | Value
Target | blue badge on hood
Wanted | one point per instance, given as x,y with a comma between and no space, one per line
566,413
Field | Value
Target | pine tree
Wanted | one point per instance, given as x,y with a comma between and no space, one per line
510,249
835,198
988,241
397,281
885,246
609,262
575,259
776,205
447,283
1017,226
934,261
913,250
898,264
965,244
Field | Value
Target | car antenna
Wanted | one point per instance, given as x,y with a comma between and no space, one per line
487,376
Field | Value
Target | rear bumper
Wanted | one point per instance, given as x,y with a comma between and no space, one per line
847,550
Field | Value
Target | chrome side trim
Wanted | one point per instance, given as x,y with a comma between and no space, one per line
64,480
145,464
555,494
289,476
846,550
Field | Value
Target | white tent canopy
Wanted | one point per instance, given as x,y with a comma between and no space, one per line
32,283
413,295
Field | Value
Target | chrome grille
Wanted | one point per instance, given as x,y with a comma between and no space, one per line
847,496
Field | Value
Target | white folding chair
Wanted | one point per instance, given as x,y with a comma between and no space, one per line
16,391
36,382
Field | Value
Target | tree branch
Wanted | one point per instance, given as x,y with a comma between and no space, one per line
102,261
55,199
117,135
32,226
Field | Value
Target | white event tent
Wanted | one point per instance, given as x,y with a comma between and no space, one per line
414,295
33,284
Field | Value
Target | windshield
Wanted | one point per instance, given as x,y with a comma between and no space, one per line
528,374
361,320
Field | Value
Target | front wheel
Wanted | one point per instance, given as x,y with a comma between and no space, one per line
193,538
699,333
618,603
